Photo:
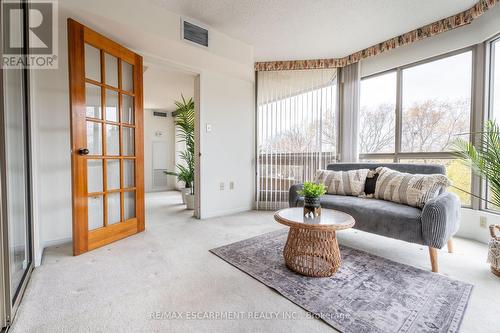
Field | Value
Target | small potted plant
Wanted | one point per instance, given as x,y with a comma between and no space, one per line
312,193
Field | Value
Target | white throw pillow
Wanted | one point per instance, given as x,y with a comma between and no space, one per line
350,182
409,189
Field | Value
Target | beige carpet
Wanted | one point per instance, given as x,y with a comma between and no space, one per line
168,270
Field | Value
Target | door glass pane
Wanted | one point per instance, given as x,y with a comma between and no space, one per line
436,103
377,117
113,174
128,173
96,212
94,138
111,64
128,205
94,176
112,140
17,175
128,141
113,208
127,109
127,76
93,101
111,105
92,63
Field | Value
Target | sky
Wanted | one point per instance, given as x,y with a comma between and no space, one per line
496,80
444,79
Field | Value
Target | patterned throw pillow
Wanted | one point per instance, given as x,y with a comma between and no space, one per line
343,182
409,189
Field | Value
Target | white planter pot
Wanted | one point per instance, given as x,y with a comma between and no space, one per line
190,201
184,192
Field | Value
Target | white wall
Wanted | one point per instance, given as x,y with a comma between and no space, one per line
227,152
478,31
161,88
470,224
158,130
227,74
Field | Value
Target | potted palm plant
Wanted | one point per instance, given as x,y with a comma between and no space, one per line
485,162
312,198
184,121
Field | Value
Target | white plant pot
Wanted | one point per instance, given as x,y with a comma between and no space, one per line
190,201
185,191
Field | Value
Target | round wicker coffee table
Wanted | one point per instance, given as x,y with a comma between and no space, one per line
311,248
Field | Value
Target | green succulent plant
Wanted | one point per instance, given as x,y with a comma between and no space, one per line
312,190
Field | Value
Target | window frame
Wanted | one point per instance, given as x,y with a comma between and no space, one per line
489,85
398,154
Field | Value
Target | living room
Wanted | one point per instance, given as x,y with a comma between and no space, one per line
345,168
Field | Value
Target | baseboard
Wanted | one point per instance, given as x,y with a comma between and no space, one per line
56,242
226,212
38,258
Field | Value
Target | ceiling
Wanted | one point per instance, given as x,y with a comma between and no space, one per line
311,29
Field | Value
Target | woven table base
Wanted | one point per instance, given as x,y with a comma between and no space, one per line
312,252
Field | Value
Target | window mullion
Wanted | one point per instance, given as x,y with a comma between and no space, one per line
399,115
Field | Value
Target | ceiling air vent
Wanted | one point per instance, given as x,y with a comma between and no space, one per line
194,33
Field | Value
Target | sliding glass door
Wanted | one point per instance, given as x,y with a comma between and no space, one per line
15,177
297,130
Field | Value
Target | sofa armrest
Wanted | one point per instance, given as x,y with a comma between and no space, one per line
440,219
293,198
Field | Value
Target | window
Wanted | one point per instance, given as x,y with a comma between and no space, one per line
436,103
494,108
433,110
495,80
377,117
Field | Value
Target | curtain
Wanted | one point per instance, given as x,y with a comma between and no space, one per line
296,130
351,82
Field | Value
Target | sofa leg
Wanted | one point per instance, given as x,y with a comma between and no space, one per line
450,246
434,259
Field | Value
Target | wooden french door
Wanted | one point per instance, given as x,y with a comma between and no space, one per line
106,96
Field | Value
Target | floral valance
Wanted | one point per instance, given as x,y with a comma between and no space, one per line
433,29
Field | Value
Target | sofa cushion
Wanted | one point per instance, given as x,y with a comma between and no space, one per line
377,216
350,182
409,189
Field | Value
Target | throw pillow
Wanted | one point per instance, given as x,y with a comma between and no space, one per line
371,182
409,189
350,182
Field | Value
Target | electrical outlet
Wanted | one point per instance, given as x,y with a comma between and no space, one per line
221,186
231,185
483,222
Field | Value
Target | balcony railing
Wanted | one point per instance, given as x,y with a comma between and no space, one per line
276,172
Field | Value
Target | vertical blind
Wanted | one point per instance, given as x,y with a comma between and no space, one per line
297,130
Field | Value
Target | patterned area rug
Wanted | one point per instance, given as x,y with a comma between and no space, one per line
367,294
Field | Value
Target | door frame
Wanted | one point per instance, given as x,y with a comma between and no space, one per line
8,309
83,239
153,61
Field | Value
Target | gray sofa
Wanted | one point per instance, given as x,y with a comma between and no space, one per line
433,226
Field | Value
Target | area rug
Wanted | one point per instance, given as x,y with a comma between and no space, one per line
367,294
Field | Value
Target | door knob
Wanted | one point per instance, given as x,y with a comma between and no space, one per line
83,151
